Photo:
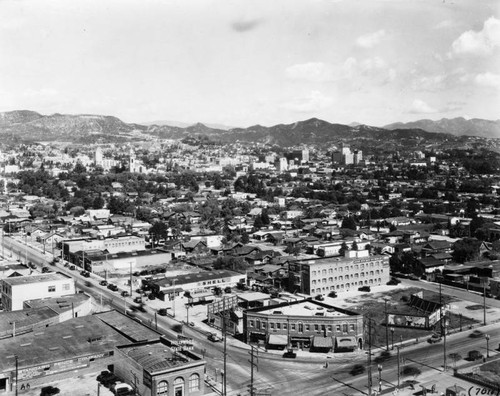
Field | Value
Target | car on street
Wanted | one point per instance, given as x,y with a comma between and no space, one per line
72,267
138,300
319,297
214,337
103,283
435,338
357,369
125,293
85,274
364,288
290,354
49,391
476,334
112,287
45,270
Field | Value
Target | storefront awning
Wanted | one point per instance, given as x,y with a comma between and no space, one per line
322,342
276,339
346,342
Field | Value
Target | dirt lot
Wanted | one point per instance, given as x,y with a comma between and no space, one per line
373,305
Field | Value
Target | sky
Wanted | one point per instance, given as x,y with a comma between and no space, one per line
245,62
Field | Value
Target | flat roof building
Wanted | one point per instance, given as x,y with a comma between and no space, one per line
16,290
304,324
322,276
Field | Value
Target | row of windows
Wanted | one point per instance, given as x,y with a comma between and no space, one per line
346,286
344,327
193,385
52,288
346,277
354,267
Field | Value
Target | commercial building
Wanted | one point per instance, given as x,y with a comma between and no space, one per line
304,324
161,367
195,283
322,276
76,347
16,290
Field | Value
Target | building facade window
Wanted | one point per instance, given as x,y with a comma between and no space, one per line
179,386
162,388
194,383
52,289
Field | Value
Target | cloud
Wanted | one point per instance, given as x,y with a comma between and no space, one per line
446,24
420,107
310,103
376,69
488,80
245,25
312,71
482,42
371,39
429,83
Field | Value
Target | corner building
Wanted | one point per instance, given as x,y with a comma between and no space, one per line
306,324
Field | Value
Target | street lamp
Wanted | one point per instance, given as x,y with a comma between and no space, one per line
392,337
487,336
379,378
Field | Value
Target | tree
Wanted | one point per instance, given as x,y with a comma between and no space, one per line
465,249
98,202
158,230
349,223
354,245
245,238
455,357
343,249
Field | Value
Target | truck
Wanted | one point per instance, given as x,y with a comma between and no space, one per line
475,355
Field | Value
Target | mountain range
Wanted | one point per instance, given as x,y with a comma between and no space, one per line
455,126
29,126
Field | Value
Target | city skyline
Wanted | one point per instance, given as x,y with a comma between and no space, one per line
245,63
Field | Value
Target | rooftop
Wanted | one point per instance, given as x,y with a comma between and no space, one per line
26,280
77,337
304,308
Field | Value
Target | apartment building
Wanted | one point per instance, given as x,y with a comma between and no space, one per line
356,269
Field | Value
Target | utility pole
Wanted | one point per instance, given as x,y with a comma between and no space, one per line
253,352
443,325
17,373
399,370
484,303
369,357
130,279
224,390
386,327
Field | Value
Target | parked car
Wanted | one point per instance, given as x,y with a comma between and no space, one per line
107,379
332,294
103,283
319,297
138,300
290,354
112,287
365,288
162,312
125,293
214,337
474,355
49,391
85,274
72,267
45,270
394,281
121,388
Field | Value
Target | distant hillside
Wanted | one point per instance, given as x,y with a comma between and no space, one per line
28,126
455,126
